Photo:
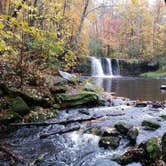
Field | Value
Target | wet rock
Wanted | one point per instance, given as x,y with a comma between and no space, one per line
132,155
152,149
141,104
122,127
157,105
150,125
9,116
19,106
163,143
78,100
163,87
110,132
132,135
163,117
110,141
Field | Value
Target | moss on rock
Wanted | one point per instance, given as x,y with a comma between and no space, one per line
18,105
80,99
150,125
153,149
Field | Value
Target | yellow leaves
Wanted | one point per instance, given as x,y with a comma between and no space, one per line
134,1
70,60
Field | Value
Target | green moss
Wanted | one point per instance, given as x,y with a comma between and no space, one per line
149,125
79,99
163,142
159,73
153,149
18,105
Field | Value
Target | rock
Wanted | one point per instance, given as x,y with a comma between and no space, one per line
68,76
163,117
8,117
163,143
150,125
122,127
90,87
132,155
110,141
152,149
141,104
163,87
55,80
58,89
110,132
132,135
78,100
18,105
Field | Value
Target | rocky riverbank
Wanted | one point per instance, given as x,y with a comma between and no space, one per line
74,123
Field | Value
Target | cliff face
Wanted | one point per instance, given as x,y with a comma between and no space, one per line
126,67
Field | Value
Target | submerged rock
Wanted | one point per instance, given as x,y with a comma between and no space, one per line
122,127
8,117
163,143
78,100
109,141
132,135
150,125
19,106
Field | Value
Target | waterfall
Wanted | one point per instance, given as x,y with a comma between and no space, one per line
97,69
104,67
109,66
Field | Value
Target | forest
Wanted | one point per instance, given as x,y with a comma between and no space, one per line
82,82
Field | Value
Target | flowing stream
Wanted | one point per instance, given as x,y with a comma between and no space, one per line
80,148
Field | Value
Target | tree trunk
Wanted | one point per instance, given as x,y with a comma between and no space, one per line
78,34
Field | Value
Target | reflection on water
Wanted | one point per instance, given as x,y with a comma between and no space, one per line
133,88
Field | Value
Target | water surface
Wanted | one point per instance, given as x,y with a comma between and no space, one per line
133,88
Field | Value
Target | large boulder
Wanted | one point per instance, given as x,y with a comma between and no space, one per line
122,127
8,117
19,106
163,143
110,141
150,125
78,100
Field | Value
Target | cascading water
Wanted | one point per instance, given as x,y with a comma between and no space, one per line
104,67
109,66
97,69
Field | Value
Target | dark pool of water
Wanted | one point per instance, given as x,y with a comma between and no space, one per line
133,88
